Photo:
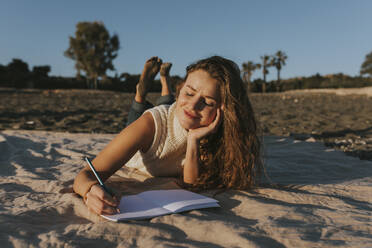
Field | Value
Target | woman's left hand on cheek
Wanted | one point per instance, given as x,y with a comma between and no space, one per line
199,133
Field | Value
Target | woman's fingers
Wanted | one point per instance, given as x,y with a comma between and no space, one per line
98,206
101,202
116,196
200,132
214,125
103,195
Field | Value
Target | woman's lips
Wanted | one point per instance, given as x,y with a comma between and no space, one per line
188,114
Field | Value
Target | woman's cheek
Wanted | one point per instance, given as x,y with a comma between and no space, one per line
181,101
212,116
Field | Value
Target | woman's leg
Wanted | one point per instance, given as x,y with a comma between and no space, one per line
136,110
166,96
139,105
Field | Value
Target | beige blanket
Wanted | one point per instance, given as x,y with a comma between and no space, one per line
323,199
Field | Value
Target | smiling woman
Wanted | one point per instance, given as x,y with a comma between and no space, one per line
208,137
198,100
230,156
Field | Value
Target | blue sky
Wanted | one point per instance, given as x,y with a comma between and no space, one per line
319,36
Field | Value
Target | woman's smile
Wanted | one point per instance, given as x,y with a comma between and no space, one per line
190,115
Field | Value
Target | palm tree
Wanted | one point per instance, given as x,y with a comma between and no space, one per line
266,63
279,60
248,69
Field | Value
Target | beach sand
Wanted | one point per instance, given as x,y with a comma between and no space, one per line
340,118
323,198
317,195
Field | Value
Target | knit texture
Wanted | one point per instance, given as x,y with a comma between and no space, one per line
168,149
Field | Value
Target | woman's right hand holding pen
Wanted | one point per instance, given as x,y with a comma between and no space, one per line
101,202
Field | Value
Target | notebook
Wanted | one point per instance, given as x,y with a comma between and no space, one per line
149,204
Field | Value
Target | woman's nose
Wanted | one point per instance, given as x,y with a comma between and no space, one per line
196,103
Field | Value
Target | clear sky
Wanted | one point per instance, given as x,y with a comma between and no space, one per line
319,36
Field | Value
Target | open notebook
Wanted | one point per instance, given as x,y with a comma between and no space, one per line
154,203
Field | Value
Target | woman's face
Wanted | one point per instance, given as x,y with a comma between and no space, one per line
198,100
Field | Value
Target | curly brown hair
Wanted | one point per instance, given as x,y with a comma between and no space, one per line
230,157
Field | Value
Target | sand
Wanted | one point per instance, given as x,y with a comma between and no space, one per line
340,121
323,198
367,91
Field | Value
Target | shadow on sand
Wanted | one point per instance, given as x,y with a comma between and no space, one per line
290,164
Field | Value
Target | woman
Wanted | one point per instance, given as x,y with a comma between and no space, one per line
208,136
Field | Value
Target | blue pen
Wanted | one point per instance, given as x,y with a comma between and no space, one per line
98,178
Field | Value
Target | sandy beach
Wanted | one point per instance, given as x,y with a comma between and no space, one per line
323,199
340,118
316,194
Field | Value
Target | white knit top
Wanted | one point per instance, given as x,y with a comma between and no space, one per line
166,155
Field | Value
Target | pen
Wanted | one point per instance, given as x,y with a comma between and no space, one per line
98,178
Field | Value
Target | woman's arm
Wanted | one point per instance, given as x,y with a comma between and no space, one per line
137,136
191,166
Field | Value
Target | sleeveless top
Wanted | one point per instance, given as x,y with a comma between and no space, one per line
167,153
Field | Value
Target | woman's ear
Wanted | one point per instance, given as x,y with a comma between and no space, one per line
222,107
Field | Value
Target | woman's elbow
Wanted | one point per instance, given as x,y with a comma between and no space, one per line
189,180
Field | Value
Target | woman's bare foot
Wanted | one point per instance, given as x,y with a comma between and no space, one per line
165,68
151,68
165,79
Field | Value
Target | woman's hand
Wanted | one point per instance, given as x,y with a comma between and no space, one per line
191,165
199,133
101,202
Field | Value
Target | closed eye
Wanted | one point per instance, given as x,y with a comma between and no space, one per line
209,104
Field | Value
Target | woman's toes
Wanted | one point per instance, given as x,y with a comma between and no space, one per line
165,68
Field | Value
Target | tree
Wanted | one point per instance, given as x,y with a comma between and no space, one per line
93,50
278,60
18,66
248,69
18,73
366,67
266,63
3,75
41,71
